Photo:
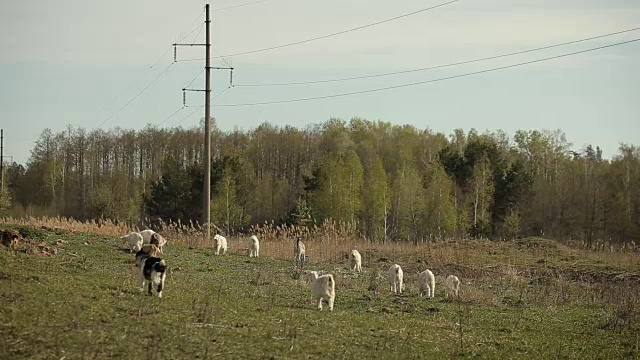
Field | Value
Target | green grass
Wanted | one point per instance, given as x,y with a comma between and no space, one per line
85,303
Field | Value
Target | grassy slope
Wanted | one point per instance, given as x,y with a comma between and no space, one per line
85,302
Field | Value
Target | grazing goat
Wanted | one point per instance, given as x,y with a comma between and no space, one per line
395,278
299,252
426,281
453,285
146,235
323,288
355,261
134,240
254,246
158,240
151,269
220,243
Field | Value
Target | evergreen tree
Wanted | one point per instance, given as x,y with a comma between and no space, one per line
177,195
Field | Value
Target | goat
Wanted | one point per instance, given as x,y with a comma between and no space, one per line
395,278
220,243
299,252
146,235
151,269
355,261
151,250
134,240
453,285
323,288
254,246
158,240
426,281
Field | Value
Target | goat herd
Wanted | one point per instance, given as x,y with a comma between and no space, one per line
148,246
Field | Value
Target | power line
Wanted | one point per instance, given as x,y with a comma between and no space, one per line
336,33
435,67
220,93
240,5
149,69
169,117
221,57
188,116
181,38
194,79
426,81
135,81
199,107
136,96
200,27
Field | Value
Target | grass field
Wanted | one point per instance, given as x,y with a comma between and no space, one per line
531,298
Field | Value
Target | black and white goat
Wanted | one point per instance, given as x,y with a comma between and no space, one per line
151,269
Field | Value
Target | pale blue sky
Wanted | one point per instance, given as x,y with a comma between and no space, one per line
61,62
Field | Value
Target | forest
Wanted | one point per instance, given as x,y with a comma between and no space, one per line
389,182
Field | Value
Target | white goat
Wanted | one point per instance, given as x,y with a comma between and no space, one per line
355,261
134,240
146,235
220,243
426,281
323,288
254,246
453,285
299,252
395,278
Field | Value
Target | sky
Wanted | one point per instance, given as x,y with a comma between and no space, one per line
64,63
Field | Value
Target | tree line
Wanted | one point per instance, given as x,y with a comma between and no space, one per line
391,182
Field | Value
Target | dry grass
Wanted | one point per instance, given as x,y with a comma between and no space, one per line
331,242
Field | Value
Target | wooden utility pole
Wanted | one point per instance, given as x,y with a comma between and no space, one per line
207,130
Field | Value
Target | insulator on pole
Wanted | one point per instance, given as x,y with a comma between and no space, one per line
175,53
231,78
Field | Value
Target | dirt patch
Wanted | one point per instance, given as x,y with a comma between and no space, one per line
10,238
15,241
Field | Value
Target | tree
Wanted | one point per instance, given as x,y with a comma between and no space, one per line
177,195
511,225
440,212
339,184
511,188
376,199
225,208
482,189
301,215
408,202
5,201
386,180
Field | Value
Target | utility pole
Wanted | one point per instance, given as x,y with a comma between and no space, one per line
206,211
207,129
